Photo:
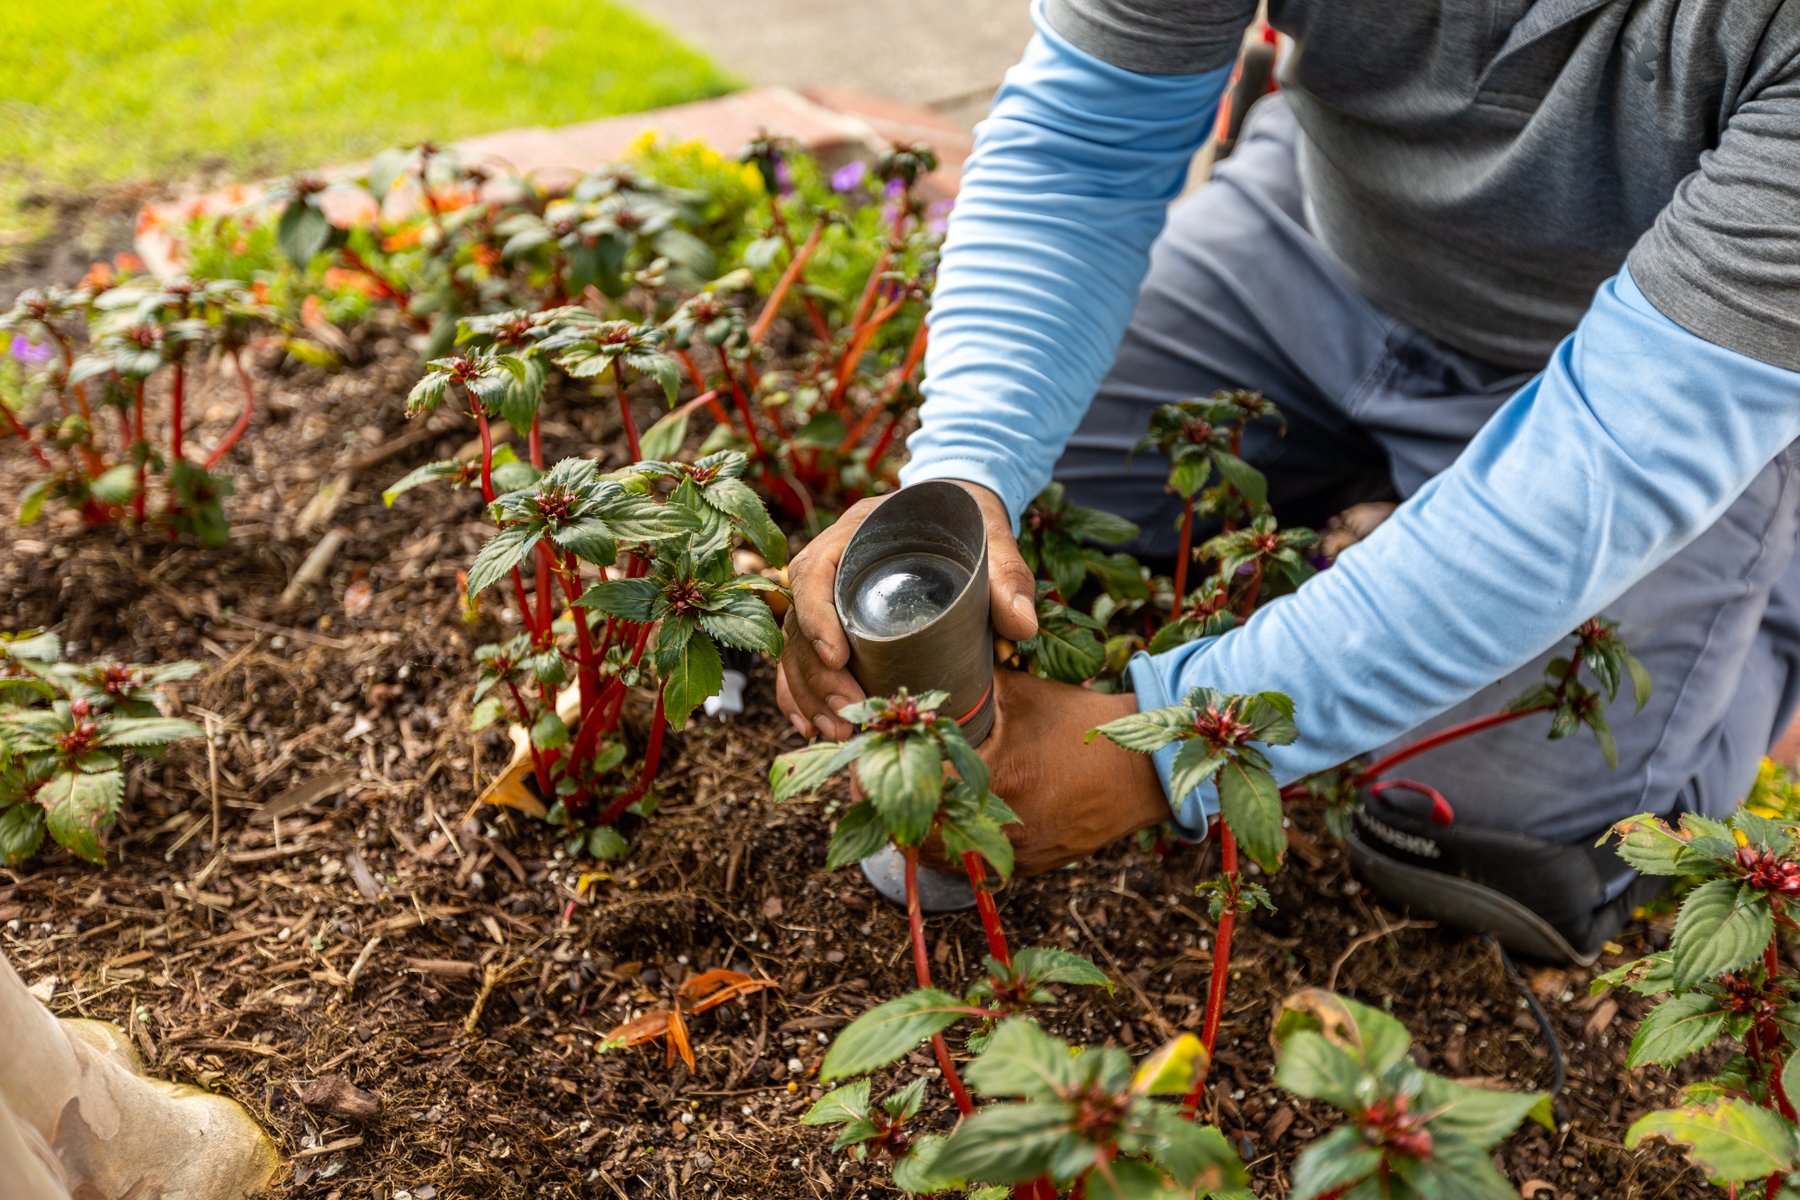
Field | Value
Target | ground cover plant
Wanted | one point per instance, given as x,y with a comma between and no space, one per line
351,935
65,730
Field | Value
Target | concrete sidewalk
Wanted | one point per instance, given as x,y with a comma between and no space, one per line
945,55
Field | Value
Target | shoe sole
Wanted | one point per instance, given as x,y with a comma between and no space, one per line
1461,903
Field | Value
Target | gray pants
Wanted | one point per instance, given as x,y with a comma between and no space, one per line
1240,294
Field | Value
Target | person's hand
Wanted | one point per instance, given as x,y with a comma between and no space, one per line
813,681
1074,796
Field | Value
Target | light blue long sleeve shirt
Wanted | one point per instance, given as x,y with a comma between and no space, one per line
1632,442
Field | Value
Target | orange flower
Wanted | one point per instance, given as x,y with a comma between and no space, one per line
487,256
127,263
99,277
405,239
343,279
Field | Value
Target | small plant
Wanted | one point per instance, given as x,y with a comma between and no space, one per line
900,759
667,599
1203,440
137,333
1410,1133
64,731
1723,980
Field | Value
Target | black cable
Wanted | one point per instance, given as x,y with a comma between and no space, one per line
1558,1068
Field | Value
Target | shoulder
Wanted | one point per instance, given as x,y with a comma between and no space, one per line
1154,37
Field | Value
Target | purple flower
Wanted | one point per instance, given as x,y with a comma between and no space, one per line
937,217
784,177
895,189
849,177
29,352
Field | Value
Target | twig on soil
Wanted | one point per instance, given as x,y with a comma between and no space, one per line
212,776
1374,935
1151,1013
492,977
314,565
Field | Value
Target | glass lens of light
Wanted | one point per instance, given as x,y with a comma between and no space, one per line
906,592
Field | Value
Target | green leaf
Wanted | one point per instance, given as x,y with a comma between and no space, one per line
741,619
887,1032
628,599
699,673
116,485
1371,1037
549,732
800,772
1250,802
734,498
1483,1117
1093,525
1198,1156
1244,479
501,553
22,832
429,473
979,834
848,1103
1721,927
1020,1059
1456,1170
664,439
1008,1143
917,1171
1640,679
1130,1179
302,233
1047,964
1313,1067
903,776
79,805
1064,650
860,832
147,731
1649,845
1063,561
1337,1160
607,844
1733,1141
1149,730
1676,1028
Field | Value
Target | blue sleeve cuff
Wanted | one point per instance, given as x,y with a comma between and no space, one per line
1192,813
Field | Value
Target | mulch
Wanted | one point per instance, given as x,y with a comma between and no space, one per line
309,909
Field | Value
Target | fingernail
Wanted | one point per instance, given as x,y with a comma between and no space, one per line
825,725
837,704
800,726
822,650
1023,609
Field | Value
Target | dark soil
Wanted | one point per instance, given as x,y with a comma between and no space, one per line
357,915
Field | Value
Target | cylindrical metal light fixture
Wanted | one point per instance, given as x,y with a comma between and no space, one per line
912,596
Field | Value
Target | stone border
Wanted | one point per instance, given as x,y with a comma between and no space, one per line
824,121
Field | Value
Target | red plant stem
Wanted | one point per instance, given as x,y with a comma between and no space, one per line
24,435
884,441
820,328
1185,553
242,424
537,758
587,663
1463,729
1250,595
915,923
68,357
1772,1038
631,433
487,449
137,442
652,759
177,411
867,300
788,278
862,425
384,287
1221,966
743,404
859,345
976,867
710,396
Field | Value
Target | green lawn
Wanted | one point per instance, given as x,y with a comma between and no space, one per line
97,92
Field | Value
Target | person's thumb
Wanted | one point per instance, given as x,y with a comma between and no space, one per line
1012,589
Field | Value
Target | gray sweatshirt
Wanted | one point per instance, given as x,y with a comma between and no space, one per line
1479,167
